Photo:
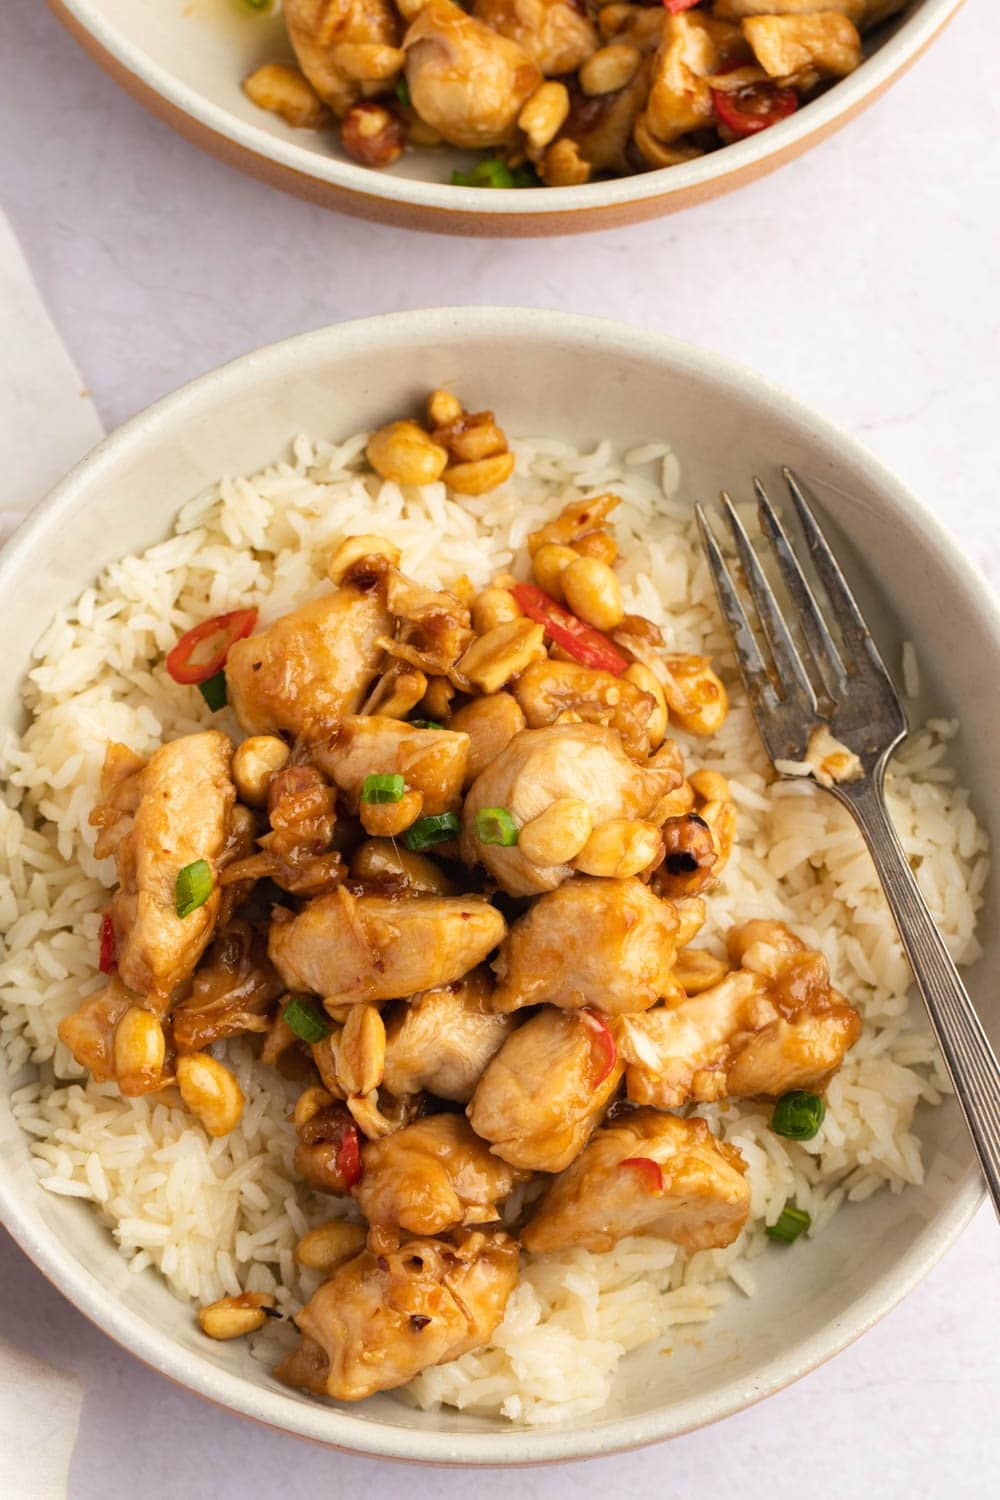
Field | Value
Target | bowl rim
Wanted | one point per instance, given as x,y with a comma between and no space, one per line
334,1426
263,152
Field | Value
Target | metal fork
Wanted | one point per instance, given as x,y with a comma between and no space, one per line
846,687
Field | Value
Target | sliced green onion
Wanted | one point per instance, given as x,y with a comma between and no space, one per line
426,832
798,1115
306,1020
214,691
383,788
193,888
425,724
491,172
494,825
402,92
257,5
790,1223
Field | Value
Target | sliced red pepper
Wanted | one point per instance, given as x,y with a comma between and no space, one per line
605,1047
582,642
108,953
650,1169
676,6
202,652
754,108
349,1156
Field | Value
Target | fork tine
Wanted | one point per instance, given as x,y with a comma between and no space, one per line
791,672
814,627
753,668
848,616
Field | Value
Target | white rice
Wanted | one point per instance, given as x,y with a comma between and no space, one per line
222,1216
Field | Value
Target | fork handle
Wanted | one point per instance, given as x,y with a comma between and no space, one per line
970,1058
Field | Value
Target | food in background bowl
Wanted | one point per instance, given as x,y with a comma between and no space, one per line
558,91
295,933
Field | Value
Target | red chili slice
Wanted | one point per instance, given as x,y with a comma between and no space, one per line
650,1170
605,1048
582,642
676,6
349,1156
754,108
202,652
108,953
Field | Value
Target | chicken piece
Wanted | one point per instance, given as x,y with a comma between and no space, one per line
547,1088
434,627
864,13
381,1319
556,34
601,125
646,1174
428,1177
466,81
328,1155
351,949
89,1032
393,870
774,1025
694,46
296,853
233,990
442,1040
318,28
549,688
804,47
310,668
491,722
432,761
605,943
172,812
541,766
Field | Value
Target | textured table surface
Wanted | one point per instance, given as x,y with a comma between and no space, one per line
863,277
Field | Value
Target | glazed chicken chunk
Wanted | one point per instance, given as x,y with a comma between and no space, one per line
646,1174
773,1025
557,35
547,1088
442,1040
381,1319
351,949
581,763
333,39
428,1177
158,818
609,944
432,761
310,668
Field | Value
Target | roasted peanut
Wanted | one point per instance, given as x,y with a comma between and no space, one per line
324,1055
386,820
286,92
574,521
657,153
696,697
494,607
309,1103
329,1244
563,166
379,861
361,1050
494,658
592,591
370,62
255,761
404,452
353,548
231,1317
544,114
471,437
558,834
599,544
370,1119
691,913
609,69
721,819
480,477
491,723
139,1052
709,786
436,702
210,1092
373,136
696,970
442,408
549,564
620,848
647,682
397,692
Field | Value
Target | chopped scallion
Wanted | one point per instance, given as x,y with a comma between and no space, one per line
798,1115
425,724
791,1222
193,888
214,691
491,172
403,93
306,1020
494,825
383,788
426,832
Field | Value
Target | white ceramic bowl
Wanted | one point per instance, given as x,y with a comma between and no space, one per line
543,373
185,60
